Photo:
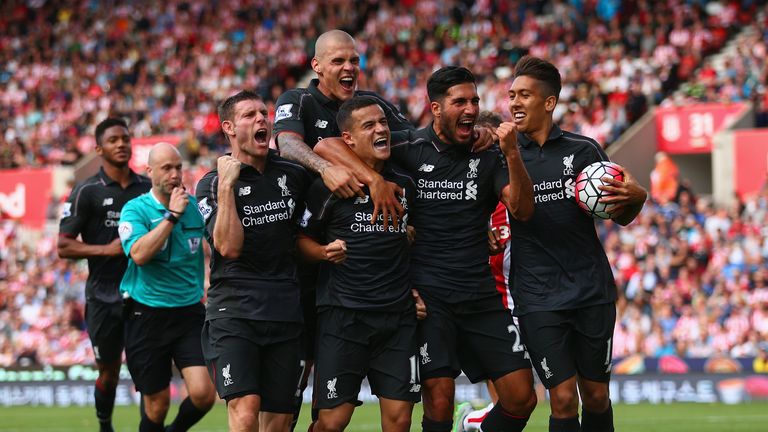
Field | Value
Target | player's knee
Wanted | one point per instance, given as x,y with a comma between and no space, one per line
156,409
242,418
595,400
564,404
400,422
330,424
520,403
203,400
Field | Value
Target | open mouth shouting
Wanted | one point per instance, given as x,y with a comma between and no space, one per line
465,127
347,83
261,136
381,143
518,116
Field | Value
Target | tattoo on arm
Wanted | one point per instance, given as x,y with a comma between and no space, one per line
293,148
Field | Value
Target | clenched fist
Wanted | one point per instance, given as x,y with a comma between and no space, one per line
229,170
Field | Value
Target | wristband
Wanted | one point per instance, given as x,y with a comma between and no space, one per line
170,217
175,212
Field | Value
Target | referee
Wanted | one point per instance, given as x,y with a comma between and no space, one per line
162,232
92,212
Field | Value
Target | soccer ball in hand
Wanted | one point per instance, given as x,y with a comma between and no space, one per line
587,193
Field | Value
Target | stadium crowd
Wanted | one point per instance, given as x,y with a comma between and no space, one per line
65,65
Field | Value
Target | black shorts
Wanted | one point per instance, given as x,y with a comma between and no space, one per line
353,344
155,336
106,330
255,357
478,337
565,343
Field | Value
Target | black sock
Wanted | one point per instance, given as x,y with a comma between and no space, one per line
428,425
105,403
147,425
188,415
597,422
570,424
500,420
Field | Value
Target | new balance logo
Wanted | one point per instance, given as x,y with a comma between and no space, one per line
547,373
331,385
471,193
322,124
415,388
227,377
424,355
107,201
362,200
245,190
426,168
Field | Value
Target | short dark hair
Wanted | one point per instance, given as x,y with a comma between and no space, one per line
226,109
445,78
541,70
107,123
344,116
488,118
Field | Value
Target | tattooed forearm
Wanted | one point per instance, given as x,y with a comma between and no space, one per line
293,148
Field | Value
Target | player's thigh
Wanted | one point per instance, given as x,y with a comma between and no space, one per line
547,337
281,371
106,330
437,337
342,357
187,326
233,356
490,346
394,367
593,337
148,348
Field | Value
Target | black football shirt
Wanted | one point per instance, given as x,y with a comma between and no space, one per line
559,262
310,114
261,283
93,211
456,192
375,275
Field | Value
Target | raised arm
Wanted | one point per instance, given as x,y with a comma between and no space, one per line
228,232
518,194
383,193
146,247
338,178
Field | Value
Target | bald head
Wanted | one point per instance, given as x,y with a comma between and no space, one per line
164,168
329,39
162,152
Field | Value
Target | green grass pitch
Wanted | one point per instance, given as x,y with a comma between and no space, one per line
747,417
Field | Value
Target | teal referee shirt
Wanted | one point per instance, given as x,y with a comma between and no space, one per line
174,276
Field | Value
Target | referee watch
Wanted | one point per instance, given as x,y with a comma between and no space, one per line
170,217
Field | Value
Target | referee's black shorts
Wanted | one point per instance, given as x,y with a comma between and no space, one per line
154,337
478,337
